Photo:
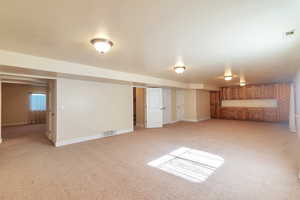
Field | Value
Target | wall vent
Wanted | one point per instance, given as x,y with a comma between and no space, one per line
109,133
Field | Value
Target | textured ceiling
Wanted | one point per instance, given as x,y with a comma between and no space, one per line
151,36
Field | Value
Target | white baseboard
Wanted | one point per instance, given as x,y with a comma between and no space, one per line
15,124
0,140
293,130
123,131
190,120
196,120
87,138
204,119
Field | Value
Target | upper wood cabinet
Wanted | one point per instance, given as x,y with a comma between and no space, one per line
263,91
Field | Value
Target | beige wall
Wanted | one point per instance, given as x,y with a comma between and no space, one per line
190,106
86,109
173,105
140,107
203,105
196,105
15,102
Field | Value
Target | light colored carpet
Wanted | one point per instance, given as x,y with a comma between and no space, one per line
258,165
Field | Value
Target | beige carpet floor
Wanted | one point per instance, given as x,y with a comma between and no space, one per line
258,164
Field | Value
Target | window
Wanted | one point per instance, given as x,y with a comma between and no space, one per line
38,102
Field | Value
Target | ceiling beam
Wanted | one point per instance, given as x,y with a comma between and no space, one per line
60,68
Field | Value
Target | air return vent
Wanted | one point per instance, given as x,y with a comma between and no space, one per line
108,133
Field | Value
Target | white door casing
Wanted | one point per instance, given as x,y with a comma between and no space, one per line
167,103
154,105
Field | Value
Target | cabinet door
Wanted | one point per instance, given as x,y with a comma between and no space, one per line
256,114
270,114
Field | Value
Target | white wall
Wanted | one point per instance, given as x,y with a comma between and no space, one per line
86,109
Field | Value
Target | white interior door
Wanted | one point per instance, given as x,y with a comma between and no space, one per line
179,104
167,103
154,104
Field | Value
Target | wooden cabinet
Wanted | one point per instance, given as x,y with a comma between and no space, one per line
256,114
278,91
215,104
251,114
263,91
271,115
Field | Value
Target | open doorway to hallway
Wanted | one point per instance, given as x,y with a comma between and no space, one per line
139,107
25,110
153,107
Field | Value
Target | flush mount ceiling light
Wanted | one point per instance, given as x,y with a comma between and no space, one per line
228,77
179,69
102,45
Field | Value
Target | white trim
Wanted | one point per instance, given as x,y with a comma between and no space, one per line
196,120
15,124
29,62
174,121
123,131
0,140
87,138
204,119
190,120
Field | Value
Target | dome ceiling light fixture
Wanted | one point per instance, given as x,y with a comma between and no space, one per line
102,45
228,77
179,69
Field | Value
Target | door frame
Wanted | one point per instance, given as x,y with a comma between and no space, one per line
167,106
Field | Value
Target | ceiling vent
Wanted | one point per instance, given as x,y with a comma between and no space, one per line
290,33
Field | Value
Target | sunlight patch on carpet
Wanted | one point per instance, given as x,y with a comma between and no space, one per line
190,164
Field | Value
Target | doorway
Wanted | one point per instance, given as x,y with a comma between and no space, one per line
152,107
139,116
25,106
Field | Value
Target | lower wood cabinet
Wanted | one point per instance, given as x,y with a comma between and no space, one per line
252,114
